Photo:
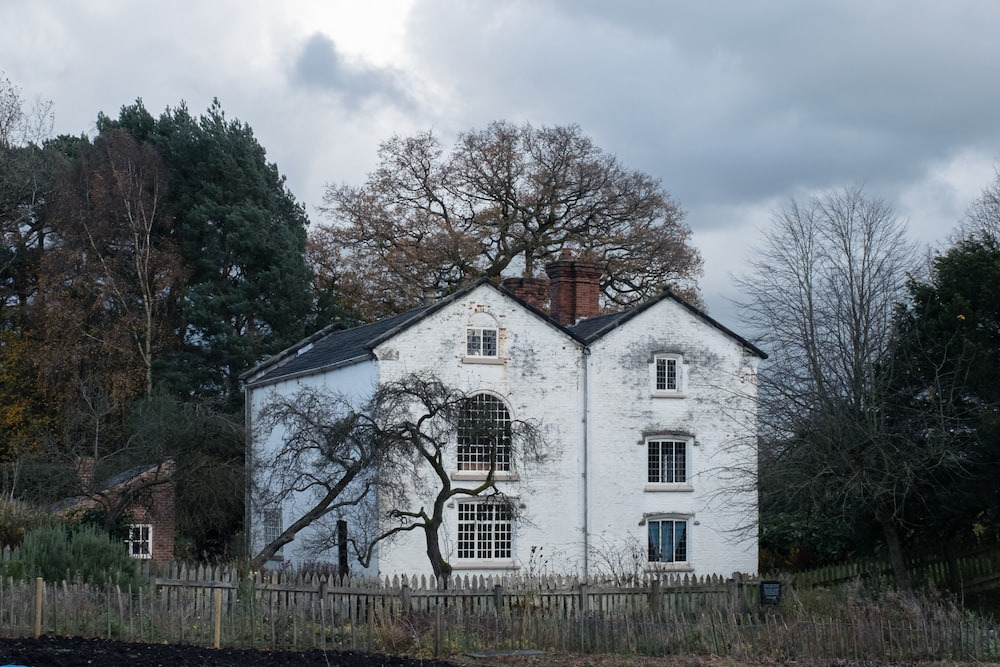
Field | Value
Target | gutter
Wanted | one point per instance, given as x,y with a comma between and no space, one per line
586,464
309,371
248,472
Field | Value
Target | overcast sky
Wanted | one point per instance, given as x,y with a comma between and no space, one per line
736,106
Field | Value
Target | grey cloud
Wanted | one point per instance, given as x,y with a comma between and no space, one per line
320,66
736,102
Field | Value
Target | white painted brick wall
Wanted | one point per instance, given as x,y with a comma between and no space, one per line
542,381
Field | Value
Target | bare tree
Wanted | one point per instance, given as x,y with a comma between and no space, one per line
336,453
507,198
327,455
26,182
982,220
113,276
433,419
823,291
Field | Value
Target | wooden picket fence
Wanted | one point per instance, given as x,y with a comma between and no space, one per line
418,616
216,606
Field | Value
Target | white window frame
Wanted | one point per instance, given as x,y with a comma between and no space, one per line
476,343
668,479
683,563
666,388
139,540
484,535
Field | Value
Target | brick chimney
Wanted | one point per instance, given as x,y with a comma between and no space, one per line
574,289
533,290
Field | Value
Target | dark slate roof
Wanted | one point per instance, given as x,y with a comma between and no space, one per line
334,345
589,330
593,328
329,347
127,475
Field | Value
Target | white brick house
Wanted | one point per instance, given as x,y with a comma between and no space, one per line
648,415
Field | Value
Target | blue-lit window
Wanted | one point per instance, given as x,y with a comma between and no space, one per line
667,540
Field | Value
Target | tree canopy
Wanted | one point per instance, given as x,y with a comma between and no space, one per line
503,200
242,237
141,271
879,402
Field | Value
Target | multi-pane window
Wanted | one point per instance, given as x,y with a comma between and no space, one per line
667,541
667,461
271,525
484,530
667,373
481,342
484,434
139,540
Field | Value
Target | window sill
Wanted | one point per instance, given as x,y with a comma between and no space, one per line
668,394
485,565
494,361
660,488
481,475
669,567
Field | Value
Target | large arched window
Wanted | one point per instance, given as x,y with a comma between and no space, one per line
484,434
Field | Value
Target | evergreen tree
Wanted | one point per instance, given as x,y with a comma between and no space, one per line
241,235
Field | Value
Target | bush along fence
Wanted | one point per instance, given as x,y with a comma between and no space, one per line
655,616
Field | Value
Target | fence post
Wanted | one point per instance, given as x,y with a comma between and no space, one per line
656,599
497,598
218,618
404,596
39,591
438,631
736,594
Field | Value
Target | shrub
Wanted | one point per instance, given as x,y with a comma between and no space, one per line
16,519
83,553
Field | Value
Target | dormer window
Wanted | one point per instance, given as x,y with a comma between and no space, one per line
481,342
668,375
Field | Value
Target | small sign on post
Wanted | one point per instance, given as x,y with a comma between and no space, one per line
770,592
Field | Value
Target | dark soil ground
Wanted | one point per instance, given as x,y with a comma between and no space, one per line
67,651
72,651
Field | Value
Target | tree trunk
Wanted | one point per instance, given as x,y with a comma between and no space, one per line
441,567
896,557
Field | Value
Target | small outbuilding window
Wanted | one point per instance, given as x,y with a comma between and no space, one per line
139,540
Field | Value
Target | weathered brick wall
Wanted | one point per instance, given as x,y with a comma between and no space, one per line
158,508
